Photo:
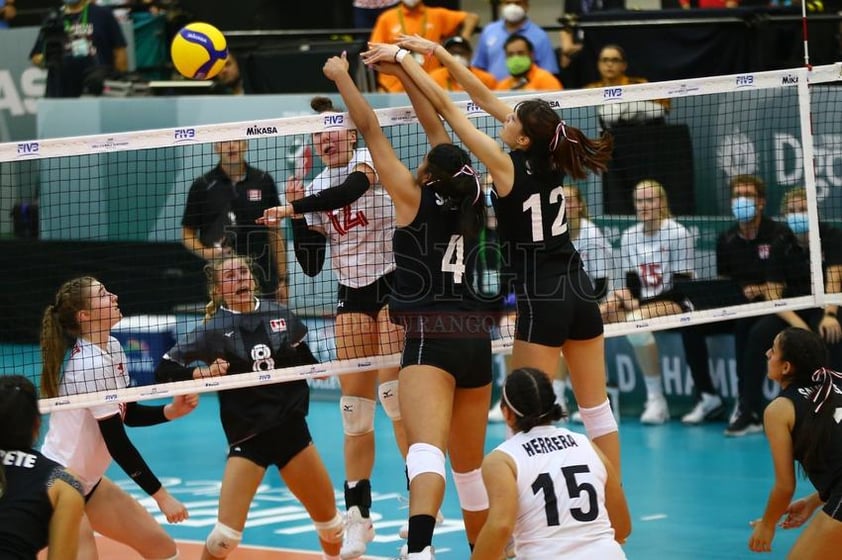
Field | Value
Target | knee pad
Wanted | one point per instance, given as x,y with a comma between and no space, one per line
223,540
388,394
598,420
424,458
471,490
357,415
331,531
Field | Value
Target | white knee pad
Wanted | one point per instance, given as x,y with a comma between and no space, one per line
388,394
471,490
598,420
223,540
331,531
357,415
424,458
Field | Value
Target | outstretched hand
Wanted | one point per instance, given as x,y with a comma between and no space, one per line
272,216
336,66
378,53
417,43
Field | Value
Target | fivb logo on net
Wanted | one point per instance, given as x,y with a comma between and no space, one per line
28,149
184,135
333,121
612,93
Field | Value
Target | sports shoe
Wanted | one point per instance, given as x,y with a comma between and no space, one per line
403,532
359,531
495,413
655,411
744,424
707,408
426,554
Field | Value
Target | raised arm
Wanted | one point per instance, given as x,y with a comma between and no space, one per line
483,146
479,93
424,110
397,179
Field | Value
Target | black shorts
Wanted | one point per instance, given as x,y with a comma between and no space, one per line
468,360
833,505
368,300
555,309
276,446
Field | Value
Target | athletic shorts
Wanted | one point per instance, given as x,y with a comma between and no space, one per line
276,446
673,296
468,360
368,300
833,505
556,309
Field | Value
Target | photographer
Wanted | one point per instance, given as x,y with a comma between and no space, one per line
79,45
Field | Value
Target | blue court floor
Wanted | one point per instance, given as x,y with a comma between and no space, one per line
692,491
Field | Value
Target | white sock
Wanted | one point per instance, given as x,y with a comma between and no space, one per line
654,389
559,387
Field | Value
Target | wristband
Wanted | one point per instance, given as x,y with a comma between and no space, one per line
400,55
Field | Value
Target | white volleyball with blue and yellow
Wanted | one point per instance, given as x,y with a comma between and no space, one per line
198,51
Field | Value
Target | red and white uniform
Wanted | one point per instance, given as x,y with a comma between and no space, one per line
360,233
657,257
594,250
74,439
561,497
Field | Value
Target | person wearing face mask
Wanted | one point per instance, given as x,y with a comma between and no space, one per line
524,74
461,50
91,47
795,263
491,55
749,253
413,17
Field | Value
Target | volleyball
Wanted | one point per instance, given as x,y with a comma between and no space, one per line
198,51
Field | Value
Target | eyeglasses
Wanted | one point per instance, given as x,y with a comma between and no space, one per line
612,60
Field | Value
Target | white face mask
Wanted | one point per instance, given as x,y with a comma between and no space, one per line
462,60
512,13
410,3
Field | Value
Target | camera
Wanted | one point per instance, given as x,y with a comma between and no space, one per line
54,39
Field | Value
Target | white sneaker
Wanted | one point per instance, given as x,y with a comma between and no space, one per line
708,407
403,532
495,413
655,411
359,531
426,554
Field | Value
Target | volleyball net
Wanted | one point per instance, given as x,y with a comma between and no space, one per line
116,206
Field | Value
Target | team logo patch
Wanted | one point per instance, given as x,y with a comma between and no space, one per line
254,195
278,325
763,251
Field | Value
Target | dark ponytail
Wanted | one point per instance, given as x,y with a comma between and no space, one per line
458,183
556,146
529,394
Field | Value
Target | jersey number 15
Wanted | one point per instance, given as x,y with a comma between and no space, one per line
544,483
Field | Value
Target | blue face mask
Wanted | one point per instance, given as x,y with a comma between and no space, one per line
743,208
798,222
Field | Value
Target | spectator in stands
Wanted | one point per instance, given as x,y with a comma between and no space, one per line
79,46
743,254
571,63
7,13
795,264
412,17
366,12
461,49
656,252
230,80
219,218
524,74
491,56
612,66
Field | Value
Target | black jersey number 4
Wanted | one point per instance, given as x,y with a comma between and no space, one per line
453,260
532,205
544,483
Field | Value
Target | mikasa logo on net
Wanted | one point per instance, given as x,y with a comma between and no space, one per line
261,130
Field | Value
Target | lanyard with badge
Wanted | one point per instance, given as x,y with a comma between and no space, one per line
418,56
80,42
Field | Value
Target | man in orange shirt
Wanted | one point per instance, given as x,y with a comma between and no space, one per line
524,74
461,51
411,17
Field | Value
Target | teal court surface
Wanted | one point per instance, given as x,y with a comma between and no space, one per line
691,491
